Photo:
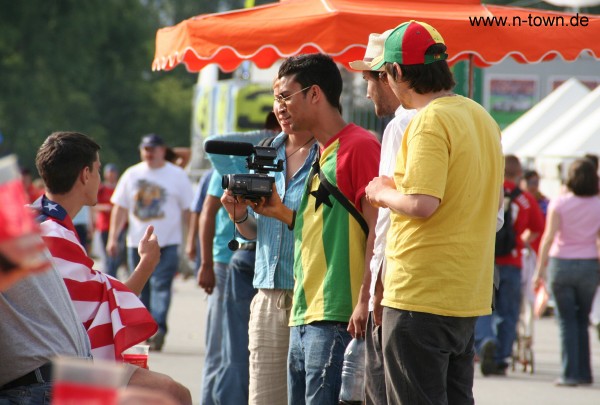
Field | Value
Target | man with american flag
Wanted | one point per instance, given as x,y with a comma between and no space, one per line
111,312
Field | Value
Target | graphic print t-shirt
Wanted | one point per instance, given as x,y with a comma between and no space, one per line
154,197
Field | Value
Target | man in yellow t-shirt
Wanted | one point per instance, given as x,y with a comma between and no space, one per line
444,198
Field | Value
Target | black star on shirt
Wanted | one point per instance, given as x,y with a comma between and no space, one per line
322,196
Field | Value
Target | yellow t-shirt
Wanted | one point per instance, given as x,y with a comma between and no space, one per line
444,264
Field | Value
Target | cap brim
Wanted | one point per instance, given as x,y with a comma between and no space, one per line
377,63
360,65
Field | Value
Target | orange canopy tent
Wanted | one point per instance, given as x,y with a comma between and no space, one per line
341,28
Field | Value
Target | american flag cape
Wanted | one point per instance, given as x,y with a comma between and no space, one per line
114,317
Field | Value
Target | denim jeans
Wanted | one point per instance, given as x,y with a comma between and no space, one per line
113,263
214,336
501,325
234,380
573,283
315,362
428,359
156,295
35,394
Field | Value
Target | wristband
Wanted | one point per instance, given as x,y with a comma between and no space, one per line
291,226
243,219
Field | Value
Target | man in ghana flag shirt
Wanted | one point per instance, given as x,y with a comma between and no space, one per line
113,316
333,229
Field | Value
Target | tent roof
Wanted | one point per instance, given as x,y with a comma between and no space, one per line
542,115
341,28
582,138
587,106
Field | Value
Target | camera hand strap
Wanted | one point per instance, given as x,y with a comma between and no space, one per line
233,244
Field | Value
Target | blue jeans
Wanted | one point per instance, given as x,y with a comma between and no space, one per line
315,362
428,359
156,295
501,325
214,336
35,394
113,263
573,283
234,379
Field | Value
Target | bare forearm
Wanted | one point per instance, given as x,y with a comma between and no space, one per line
207,234
185,219
411,205
118,218
140,276
192,231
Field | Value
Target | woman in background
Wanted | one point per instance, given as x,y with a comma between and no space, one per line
568,251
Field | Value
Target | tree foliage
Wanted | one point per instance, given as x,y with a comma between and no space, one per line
86,66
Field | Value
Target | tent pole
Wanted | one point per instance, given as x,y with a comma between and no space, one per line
470,90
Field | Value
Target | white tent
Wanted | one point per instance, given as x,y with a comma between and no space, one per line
560,125
581,138
542,115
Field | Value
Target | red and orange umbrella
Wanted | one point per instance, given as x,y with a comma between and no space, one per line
341,28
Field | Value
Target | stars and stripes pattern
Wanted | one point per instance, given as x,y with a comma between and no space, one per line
114,317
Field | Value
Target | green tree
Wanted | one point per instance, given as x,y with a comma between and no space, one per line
86,66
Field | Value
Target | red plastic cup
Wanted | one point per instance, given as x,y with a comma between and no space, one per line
137,355
16,219
68,393
83,382
21,246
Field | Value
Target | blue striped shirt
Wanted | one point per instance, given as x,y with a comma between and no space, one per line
275,242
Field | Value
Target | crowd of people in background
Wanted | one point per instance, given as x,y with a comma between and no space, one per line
355,234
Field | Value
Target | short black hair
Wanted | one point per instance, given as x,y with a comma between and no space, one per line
315,69
582,178
271,122
528,174
426,78
61,158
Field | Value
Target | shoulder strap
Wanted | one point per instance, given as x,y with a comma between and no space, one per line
266,141
514,194
334,191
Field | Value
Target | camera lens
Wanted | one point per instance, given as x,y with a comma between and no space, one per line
225,181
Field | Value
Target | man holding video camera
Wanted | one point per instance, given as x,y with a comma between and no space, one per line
331,290
273,277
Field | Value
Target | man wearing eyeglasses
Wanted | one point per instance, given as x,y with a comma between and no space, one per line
333,229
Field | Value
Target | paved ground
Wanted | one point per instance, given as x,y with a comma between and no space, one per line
183,355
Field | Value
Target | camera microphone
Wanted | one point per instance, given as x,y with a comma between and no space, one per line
229,148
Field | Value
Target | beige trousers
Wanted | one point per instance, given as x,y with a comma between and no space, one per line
269,336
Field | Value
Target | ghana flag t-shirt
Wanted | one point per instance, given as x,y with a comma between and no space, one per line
329,251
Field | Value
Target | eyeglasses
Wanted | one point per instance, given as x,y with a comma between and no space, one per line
283,100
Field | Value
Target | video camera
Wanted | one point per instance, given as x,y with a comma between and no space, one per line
261,159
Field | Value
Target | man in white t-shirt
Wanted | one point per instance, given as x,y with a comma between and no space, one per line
159,193
386,104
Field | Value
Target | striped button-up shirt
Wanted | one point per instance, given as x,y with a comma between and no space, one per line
275,242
